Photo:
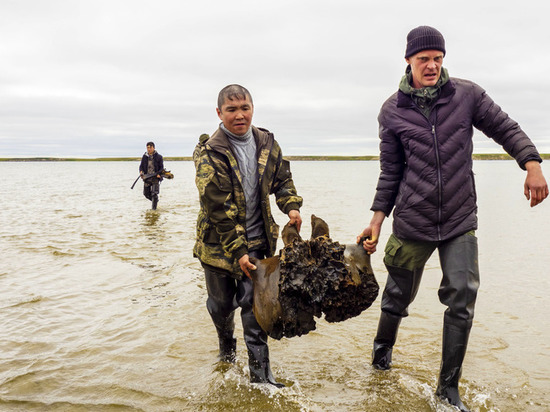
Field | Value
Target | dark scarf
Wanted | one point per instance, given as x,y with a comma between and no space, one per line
424,97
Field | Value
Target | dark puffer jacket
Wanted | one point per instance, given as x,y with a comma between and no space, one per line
158,162
426,163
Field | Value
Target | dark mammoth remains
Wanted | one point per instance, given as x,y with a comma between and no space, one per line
311,278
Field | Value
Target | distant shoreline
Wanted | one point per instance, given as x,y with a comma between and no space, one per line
480,156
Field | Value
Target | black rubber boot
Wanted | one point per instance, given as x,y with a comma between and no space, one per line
455,342
228,349
221,307
260,370
147,192
384,340
401,288
258,351
155,202
228,344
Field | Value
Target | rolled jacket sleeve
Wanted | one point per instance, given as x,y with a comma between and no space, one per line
283,187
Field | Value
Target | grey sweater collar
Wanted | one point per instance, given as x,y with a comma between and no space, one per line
242,138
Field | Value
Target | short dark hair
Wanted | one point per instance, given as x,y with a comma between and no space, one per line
233,91
150,144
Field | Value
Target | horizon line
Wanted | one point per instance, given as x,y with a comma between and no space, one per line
475,156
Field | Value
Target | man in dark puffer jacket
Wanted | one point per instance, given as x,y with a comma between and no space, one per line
151,162
426,146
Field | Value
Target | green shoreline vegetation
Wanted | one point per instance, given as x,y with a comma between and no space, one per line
480,156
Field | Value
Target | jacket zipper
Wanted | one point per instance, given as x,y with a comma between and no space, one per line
438,165
263,202
439,185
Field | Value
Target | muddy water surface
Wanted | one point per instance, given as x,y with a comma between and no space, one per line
102,305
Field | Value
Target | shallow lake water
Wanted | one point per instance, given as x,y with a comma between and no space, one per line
103,305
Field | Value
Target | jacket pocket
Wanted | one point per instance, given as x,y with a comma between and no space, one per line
206,232
211,236
391,250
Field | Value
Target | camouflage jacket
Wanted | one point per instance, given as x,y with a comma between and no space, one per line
221,225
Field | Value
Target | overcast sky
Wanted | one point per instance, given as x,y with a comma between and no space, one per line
100,78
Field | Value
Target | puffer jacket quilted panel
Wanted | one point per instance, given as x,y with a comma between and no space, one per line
426,163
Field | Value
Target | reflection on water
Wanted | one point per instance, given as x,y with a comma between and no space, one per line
151,217
153,229
103,304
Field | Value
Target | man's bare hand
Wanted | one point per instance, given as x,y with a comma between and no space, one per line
535,187
370,235
246,265
295,219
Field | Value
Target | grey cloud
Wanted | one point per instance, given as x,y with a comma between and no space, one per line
86,78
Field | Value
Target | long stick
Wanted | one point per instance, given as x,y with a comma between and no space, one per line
135,182
147,176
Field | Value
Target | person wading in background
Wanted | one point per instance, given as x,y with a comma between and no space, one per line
237,168
426,178
151,163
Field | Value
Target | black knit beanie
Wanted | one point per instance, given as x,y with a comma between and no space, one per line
424,38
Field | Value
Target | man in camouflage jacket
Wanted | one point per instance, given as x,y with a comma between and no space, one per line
237,168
